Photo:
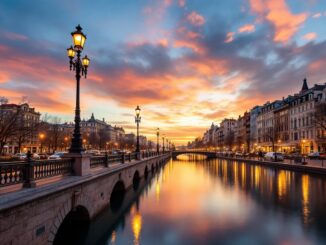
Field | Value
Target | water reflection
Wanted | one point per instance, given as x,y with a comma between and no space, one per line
218,202
136,225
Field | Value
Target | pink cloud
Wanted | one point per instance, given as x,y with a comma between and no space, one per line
279,15
182,3
247,28
229,37
310,36
15,36
317,15
196,19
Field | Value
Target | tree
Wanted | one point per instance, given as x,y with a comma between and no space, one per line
319,116
54,135
8,126
271,135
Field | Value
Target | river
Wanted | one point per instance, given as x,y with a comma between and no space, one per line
200,201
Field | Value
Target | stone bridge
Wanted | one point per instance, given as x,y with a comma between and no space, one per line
208,154
45,214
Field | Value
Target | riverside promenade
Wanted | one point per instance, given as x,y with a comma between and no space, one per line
311,166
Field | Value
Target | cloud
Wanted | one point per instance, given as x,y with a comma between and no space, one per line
182,3
310,36
15,36
229,37
285,23
317,15
196,19
247,28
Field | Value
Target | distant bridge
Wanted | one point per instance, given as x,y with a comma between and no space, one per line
208,154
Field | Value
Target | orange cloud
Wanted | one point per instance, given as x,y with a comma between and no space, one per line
196,19
278,14
189,44
310,36
247,28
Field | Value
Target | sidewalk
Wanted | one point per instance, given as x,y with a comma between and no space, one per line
312,166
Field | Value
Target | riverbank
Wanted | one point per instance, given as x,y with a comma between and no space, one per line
298,167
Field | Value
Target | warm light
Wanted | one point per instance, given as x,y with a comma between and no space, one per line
78,38
84,140
157,191
137,111
136,227
41,136
71,52
303,141
66,138
85,61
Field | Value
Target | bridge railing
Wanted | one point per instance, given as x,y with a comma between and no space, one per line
27,172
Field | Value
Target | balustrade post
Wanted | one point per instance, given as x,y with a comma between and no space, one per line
29,172
129,157
106,159
123,158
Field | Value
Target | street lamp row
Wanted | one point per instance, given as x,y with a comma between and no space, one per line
80,66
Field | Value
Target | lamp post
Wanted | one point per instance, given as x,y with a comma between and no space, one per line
167,144
80,67
137,120
42,136
158,143
163,143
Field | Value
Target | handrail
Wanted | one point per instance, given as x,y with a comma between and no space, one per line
27,172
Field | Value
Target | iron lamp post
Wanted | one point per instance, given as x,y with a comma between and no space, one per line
79,66
137,120
163,143
158,143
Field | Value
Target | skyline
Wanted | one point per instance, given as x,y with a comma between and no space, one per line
182,62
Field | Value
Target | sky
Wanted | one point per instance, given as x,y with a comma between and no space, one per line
186,63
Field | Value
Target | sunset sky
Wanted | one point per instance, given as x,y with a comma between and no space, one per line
187,63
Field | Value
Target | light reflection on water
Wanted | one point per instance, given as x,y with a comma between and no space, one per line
220,202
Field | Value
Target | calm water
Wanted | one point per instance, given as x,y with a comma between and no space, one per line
215,202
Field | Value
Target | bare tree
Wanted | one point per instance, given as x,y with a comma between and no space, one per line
271,135
54,134
8,126
319,116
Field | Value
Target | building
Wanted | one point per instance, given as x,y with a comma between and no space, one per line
253,128
305,135
266,126
242,133
23,126
225,134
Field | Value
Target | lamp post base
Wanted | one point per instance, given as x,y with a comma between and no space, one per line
81,163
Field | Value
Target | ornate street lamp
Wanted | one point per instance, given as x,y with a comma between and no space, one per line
163,143
80,67
137,120
41,136
158,143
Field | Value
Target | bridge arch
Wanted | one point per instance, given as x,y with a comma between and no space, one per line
117,195
74,227
136,180
207,154
146,172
